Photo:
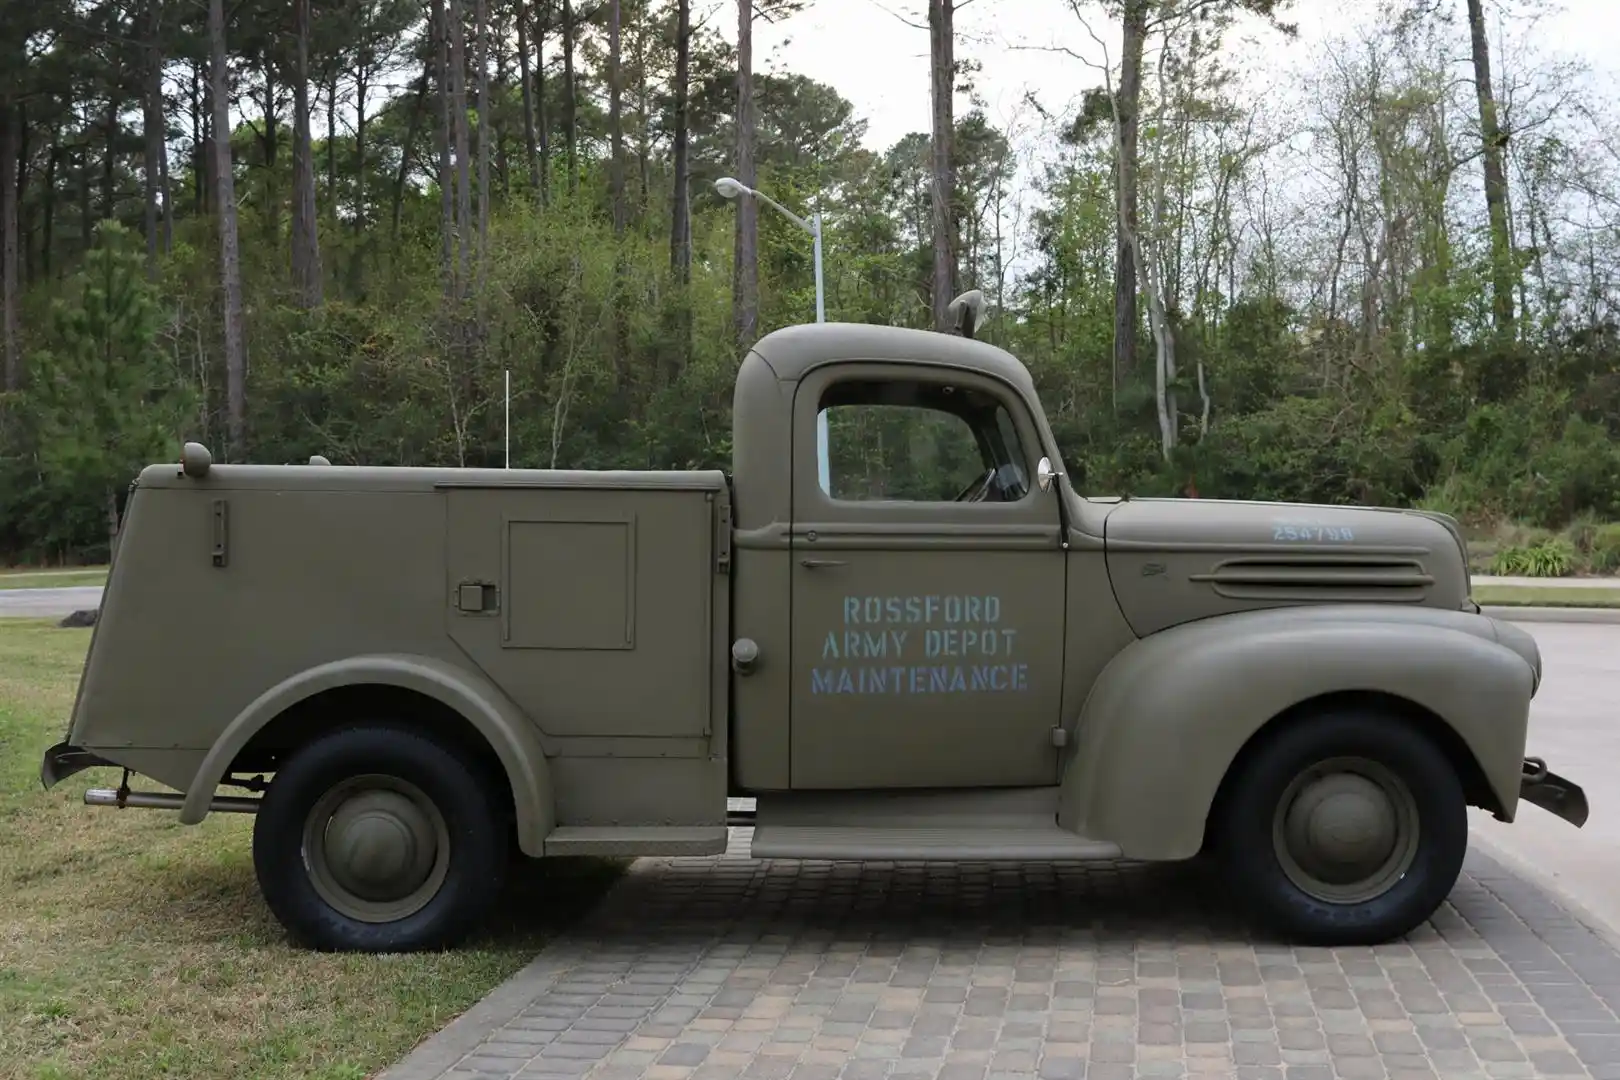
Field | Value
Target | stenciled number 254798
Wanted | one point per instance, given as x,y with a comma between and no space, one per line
1305,533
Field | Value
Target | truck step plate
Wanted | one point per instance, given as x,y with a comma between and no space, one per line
917,843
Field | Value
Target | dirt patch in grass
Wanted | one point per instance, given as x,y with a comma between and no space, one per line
131,945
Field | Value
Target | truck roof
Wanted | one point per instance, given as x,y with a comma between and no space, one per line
793,350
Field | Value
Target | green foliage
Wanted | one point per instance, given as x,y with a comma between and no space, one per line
104,398
1604,557
1391,395
1548,558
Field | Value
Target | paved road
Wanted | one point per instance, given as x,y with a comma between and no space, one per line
48,603
1575,725
739,969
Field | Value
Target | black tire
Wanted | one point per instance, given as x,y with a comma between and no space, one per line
1256,839
450,806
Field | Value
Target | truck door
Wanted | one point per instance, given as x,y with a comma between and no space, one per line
928,584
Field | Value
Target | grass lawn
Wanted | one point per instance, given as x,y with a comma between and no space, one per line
131,945
52,579
1546,596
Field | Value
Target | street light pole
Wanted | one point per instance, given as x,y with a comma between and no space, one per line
731,189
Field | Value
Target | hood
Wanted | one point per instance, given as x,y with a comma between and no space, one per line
1175,560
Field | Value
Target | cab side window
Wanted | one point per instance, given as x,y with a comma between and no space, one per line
918,441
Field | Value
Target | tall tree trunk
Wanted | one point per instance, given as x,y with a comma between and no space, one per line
109,161
458,118
745,252
230,273
447,176
153,124
621,349
1127,104
616,120
542,25
271,143
306,249
643,117
200,148
10,142
407,156
87,219
48,245
497,125
530,147
362,84
570,99
481,25
942,87
1494,142
680,249
331,142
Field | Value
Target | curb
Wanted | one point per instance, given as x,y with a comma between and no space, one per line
1547,883
439,1051
1529,614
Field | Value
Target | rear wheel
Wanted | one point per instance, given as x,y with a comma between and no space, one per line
380,839
1343,828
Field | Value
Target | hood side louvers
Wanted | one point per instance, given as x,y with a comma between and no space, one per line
1326,578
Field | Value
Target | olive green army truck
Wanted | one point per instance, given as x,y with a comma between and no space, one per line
896,625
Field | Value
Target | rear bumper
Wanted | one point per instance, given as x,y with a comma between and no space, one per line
63,760
1553,793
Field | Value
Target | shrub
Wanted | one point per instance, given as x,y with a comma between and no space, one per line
1605,549
1548,558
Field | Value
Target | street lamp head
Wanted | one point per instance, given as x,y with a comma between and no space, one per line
729,188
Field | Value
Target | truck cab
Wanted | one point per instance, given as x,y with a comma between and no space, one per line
924,567
895,625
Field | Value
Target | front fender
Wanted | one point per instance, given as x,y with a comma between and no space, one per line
477,700
1170,713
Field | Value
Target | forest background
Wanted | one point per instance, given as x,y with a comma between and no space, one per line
1376,267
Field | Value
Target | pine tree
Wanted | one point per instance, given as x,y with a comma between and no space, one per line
106,397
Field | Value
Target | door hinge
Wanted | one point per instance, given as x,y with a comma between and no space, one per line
1060,737
221,531
722,540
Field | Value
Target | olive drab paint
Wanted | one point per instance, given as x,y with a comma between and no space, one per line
991,674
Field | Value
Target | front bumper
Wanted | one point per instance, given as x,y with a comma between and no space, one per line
1553,793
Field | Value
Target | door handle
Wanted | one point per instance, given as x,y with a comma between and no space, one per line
817,564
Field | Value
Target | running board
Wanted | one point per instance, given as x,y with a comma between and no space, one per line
610,841
1035,843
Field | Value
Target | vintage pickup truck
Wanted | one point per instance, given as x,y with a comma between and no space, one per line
896,626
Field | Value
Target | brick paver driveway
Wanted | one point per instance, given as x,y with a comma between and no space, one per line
715,969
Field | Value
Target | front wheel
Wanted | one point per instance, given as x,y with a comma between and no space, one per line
379,839
1346,828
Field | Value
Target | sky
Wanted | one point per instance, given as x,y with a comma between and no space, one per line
867,52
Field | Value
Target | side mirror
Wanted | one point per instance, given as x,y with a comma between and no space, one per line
1045,474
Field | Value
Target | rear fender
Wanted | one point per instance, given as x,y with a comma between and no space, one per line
1172,711
478,701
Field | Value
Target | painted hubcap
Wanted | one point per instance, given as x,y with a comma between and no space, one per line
1346,830
376,848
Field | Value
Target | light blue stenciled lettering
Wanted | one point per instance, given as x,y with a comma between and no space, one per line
963,651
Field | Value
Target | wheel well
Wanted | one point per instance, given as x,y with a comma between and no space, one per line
394,705
1476,788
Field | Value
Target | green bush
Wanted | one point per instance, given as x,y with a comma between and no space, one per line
1548,558
1604,549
